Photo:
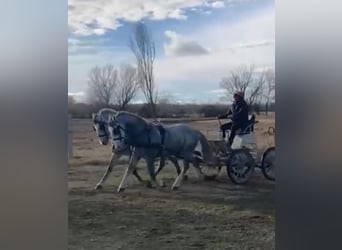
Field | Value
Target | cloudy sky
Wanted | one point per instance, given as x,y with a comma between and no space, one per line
197,41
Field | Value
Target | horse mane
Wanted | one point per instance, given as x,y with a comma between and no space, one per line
146,122
104,111
107,110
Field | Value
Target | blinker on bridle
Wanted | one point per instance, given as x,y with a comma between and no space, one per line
117,129
102,127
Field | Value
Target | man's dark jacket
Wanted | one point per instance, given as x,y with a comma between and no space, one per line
238,113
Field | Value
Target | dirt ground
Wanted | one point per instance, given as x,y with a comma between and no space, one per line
200,215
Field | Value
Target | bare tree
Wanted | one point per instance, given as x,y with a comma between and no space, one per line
244,79
102,82
143,48
127,85
270,87
256,89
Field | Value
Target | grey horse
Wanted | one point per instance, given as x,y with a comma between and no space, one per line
100,125
150,140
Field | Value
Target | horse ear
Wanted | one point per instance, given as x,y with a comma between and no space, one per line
93,116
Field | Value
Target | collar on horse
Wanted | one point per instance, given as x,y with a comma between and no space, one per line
162,133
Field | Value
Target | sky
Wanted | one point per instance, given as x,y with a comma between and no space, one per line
197,42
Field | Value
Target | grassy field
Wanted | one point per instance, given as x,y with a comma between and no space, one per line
200,215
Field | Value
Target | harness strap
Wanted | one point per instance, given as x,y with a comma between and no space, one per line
162,133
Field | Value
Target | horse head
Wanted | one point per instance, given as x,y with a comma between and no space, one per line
100,124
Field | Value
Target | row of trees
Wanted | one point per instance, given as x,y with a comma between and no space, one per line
108,85
83,110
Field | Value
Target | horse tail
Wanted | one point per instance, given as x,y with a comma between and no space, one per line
205,149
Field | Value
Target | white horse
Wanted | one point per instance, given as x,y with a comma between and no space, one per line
150,141
100,125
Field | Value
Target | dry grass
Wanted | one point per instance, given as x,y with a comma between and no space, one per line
201,215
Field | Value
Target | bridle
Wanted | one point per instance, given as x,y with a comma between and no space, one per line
102,127
117,128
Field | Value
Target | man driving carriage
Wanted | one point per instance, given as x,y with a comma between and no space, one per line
238,113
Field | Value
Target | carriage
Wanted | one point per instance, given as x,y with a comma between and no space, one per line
242,157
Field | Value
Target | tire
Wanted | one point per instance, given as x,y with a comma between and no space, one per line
268,164
240,166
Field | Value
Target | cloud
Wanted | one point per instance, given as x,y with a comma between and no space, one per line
255,29
218,91
79,96
80,93
217,4
84,46
96,17
247,41
254,44
221,94
179,46
233,42
73,41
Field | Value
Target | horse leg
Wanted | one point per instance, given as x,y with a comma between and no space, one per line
152,174
161,164
135,172
115,158
179,178
131,166
174,160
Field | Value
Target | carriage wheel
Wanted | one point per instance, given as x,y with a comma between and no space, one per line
240,166
268,164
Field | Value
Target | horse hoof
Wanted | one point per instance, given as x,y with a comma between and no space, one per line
185,177
174,188
120,189
148,184
98,187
